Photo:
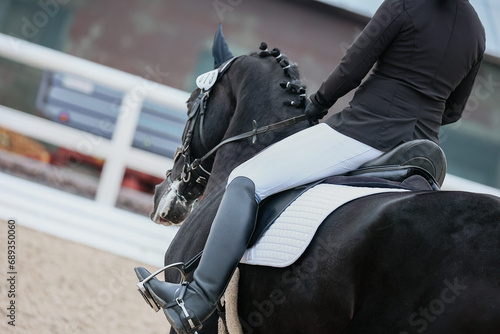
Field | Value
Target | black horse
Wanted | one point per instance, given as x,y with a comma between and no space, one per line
413,262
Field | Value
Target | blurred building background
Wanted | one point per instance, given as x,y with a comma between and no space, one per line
169,42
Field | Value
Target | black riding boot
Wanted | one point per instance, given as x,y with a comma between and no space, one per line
187,305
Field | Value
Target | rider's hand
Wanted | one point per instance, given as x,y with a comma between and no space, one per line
314,112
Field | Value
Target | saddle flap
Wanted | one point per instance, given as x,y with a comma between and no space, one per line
272,207
396,174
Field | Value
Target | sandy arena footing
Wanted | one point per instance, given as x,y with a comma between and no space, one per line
62,287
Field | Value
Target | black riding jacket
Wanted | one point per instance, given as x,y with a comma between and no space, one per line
427,55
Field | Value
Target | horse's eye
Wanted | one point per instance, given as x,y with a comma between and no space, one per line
189,105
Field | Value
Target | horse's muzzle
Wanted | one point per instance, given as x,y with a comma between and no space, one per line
176,214
172,209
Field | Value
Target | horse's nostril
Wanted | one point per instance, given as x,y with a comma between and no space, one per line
163,215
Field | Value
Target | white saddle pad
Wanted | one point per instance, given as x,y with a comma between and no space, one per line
285,241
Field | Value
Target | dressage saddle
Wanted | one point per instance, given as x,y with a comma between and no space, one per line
421,160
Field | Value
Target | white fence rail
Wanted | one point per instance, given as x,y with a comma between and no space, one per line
117,152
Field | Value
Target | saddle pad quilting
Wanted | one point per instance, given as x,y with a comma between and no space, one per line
285,240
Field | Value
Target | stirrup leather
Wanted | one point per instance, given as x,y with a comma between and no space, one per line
147,295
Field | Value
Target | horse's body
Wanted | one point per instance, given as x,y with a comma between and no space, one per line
389,263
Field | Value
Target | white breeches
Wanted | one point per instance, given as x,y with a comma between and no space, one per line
307,156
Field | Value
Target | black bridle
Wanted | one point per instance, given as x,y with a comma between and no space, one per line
194,174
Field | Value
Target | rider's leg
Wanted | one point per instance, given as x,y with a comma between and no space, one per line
229,235
307,156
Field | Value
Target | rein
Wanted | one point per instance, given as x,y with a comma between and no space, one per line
256,131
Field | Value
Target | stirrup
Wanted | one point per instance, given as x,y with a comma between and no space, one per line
147,295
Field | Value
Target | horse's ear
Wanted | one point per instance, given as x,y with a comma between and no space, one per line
220,49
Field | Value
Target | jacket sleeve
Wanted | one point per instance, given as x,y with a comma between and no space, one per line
457,100
378,34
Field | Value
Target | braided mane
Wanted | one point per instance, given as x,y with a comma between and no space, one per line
290,69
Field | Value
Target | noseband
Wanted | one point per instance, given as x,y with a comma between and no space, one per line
194,174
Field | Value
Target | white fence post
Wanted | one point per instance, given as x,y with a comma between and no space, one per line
123,136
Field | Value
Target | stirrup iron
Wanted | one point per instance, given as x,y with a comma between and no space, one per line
147,295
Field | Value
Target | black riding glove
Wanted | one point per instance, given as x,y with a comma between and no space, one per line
314,112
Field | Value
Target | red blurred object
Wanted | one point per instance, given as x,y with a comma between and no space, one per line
132,179
63,117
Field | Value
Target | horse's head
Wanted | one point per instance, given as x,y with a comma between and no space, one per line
240,95
185,183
